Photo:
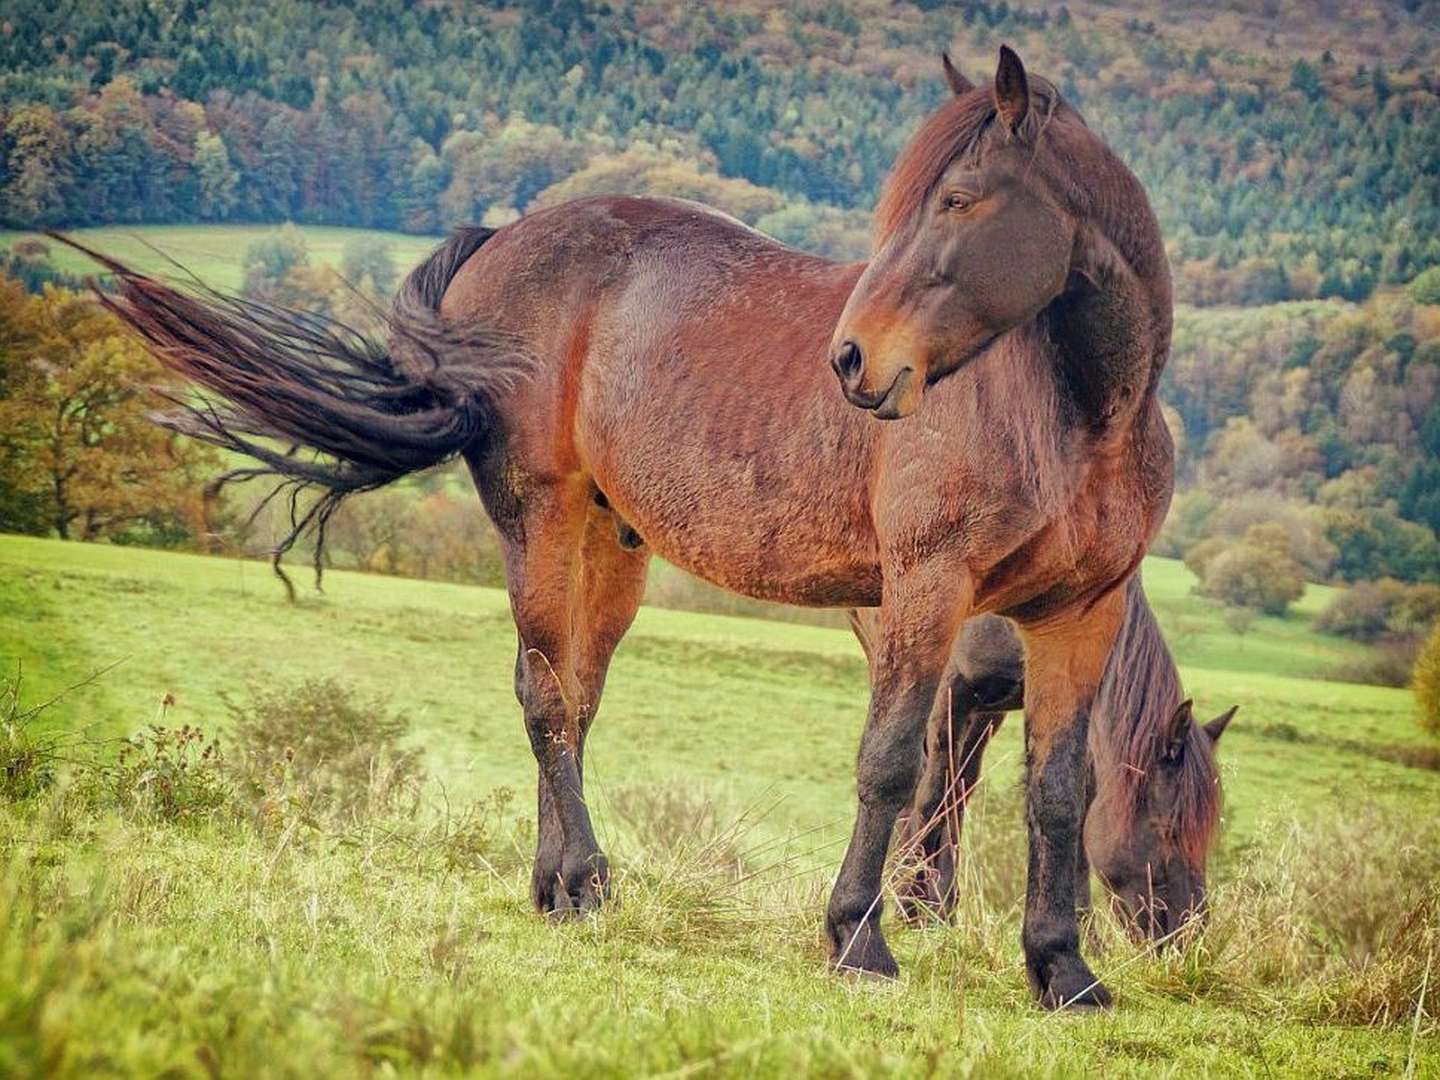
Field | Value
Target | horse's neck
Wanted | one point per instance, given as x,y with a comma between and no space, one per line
1111,333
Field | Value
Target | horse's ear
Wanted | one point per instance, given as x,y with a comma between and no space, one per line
958,82
1215,728
1012,89
1175,734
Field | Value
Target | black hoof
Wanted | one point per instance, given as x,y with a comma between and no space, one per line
561,896
1065,981
859,949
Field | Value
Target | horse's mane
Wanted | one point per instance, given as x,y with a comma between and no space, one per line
1135,703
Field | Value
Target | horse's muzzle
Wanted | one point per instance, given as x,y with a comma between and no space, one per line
888,404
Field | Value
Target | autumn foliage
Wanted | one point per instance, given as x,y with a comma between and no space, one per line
78,457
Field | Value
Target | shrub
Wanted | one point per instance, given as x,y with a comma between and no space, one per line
173,774
1200,555
323,752
1389,663
1361,612
1426,682
1417,609
368,256
1253,575
27,759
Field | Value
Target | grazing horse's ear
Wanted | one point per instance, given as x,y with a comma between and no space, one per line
1175,734
1215,728
958,82
1012,89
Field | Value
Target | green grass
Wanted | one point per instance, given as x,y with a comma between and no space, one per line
213,253
139,947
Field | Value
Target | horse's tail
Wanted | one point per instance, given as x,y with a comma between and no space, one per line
314,402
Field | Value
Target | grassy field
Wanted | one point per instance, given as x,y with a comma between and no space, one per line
217,947
213,253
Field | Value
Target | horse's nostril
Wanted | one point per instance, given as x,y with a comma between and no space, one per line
848,361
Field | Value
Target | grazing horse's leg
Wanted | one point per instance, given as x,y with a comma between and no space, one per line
573,591
1065,657
918,619
1082,860
955,747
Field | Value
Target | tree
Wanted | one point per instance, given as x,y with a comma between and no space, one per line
1253,573
278,271
36,174
369,259
75,443
216,176
1426,287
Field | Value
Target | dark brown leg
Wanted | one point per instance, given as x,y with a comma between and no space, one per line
1064,661
931,828
574,591
917,623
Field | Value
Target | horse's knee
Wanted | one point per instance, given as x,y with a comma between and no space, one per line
887,773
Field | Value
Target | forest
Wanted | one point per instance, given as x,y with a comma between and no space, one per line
1311,175
1296,178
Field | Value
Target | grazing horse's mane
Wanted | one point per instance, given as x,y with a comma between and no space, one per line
1080,170
1140,691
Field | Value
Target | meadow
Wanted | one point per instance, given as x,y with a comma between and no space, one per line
721,771
213,253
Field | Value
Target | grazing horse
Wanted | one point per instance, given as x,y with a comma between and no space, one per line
616,367
1153,793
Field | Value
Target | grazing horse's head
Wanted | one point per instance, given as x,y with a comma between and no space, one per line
977,233
1148,834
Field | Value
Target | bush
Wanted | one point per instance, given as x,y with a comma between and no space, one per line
1252,575
1389,663
324,753
27,759
369,257
1200,555
173,774
1361,612
1426,682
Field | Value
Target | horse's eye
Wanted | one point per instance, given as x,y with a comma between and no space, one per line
959,202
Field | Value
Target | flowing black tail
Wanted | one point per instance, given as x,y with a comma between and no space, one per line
314,402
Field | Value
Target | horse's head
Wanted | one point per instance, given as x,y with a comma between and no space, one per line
972,238
1148,834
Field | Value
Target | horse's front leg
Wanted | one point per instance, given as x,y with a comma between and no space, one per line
1065,658
918,621
930,830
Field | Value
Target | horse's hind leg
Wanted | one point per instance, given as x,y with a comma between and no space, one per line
574,590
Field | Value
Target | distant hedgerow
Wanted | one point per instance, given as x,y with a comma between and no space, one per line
1426,682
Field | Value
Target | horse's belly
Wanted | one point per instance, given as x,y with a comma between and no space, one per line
757,512
777,546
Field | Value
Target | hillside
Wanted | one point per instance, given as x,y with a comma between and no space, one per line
749,708
137,943
1290,162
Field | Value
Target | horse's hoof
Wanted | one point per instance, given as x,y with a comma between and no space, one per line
1068,983
921,900
859,949
563,898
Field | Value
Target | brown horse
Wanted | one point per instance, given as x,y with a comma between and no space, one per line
1153,792
673,382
